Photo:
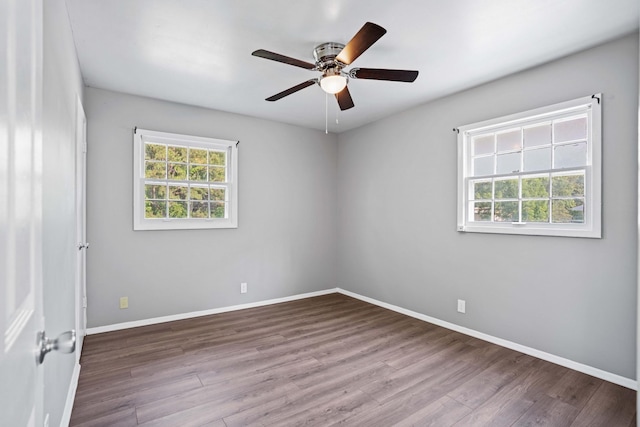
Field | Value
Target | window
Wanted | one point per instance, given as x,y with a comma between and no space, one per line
183,182
536,172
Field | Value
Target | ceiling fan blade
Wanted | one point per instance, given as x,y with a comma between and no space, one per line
363,40
284,59
384,74
344,99
292,90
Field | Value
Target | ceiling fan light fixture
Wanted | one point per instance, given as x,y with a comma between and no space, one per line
333,83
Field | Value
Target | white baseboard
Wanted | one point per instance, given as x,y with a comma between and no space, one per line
71,397
182,316
589,370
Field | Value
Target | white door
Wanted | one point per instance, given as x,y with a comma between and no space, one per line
81,227
20,211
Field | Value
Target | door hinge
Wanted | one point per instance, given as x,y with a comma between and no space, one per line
84,302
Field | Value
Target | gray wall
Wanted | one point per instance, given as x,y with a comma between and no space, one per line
575,298
286,240
62,84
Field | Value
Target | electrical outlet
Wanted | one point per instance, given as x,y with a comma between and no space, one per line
462,306
124,302
243,288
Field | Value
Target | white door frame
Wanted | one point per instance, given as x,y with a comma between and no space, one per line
81,227
638,278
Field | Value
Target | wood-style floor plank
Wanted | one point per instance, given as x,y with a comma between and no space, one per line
609,405
548,411
443,412
575,388
329,360
511,402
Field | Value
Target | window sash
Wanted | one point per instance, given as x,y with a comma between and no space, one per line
553,144
189,185
521,199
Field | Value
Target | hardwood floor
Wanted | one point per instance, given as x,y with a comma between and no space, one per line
329,360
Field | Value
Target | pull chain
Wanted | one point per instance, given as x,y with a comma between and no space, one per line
326,113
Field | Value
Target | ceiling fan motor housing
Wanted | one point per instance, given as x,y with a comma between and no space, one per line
325,56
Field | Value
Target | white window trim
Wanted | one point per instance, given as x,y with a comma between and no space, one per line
593,200
141,223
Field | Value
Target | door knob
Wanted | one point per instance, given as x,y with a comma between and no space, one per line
65,343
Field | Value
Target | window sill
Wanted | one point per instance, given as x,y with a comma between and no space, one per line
177,224
532,230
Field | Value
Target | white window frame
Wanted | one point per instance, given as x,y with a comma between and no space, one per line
591,228
142,136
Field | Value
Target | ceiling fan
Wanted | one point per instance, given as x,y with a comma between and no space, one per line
331,58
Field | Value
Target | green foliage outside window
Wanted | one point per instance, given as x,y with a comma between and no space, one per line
177,154
155,209
155,152
198,156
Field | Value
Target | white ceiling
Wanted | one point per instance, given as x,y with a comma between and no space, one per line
198,52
